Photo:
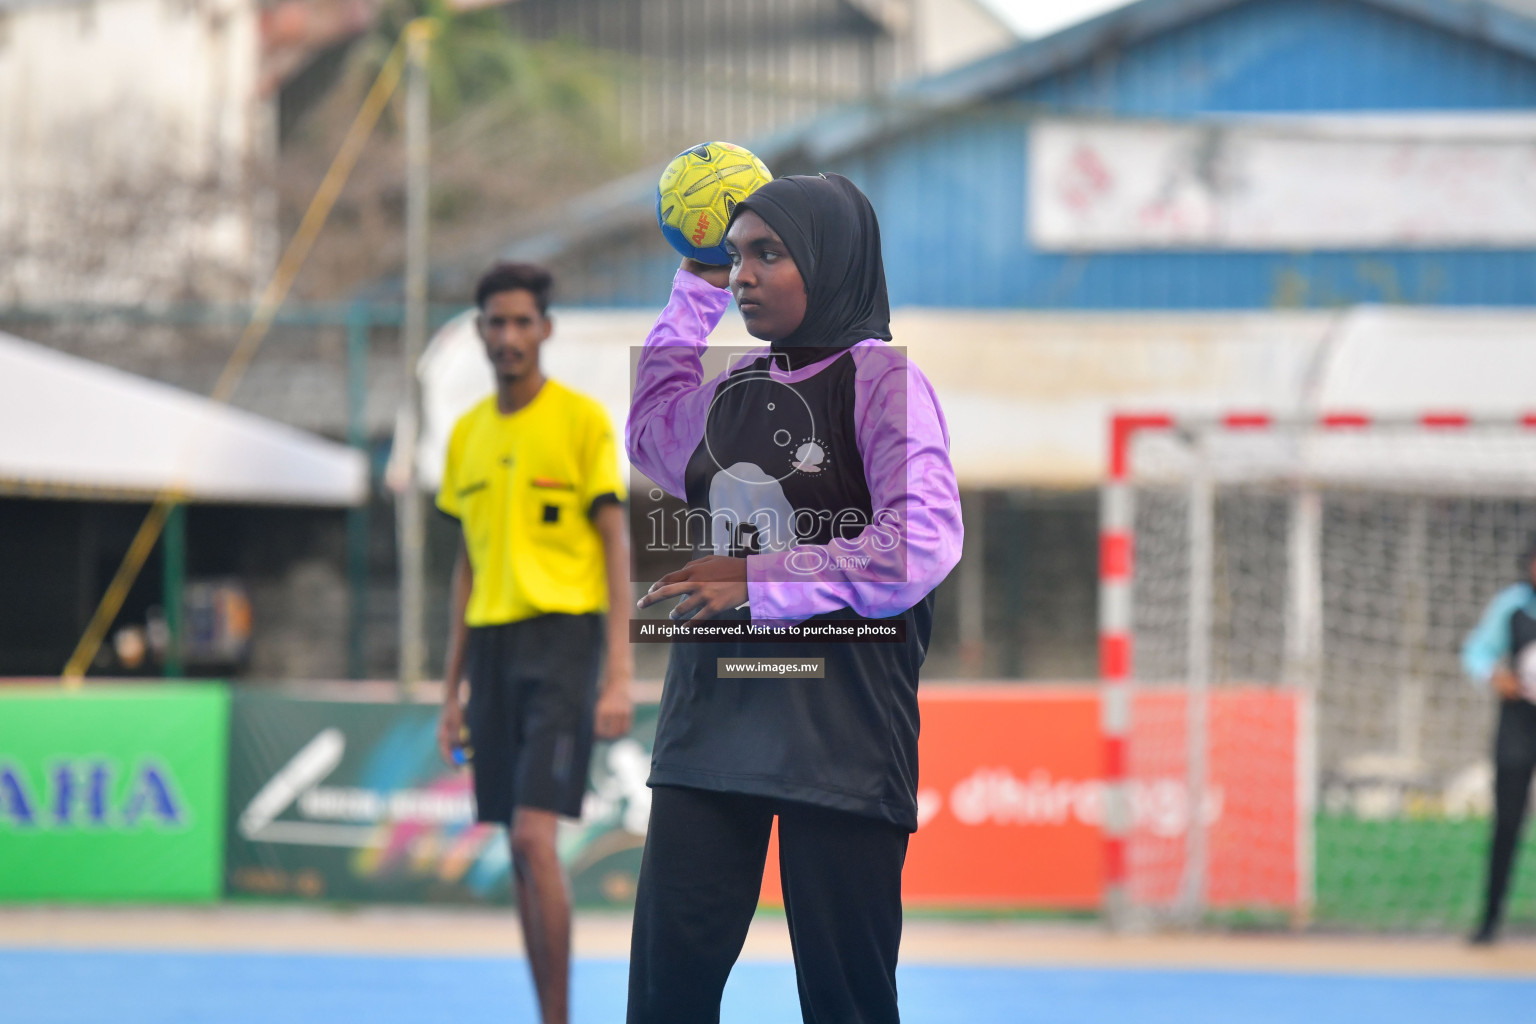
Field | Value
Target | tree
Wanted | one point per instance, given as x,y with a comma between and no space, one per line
517,126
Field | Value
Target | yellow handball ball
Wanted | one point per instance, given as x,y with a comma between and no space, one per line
698,191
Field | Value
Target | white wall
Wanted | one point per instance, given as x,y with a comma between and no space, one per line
955,32
129,134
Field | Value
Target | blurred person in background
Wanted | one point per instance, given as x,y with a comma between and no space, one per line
1501,652
532,477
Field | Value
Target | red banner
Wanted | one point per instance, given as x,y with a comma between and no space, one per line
1012,785
1250,802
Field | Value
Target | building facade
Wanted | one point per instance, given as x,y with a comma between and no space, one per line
131,140
948,160
685,70
1230,176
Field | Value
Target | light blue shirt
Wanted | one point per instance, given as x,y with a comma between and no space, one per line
1488,643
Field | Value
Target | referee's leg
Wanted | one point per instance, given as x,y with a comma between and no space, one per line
842,895
700,876
544,909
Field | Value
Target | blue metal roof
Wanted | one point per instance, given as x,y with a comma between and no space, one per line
926,153
849,128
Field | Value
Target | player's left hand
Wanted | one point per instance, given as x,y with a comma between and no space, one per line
708,586
615,711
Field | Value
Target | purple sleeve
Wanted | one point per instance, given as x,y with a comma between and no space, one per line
915,540
669,407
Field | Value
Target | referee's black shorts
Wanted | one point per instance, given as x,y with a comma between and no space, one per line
532,689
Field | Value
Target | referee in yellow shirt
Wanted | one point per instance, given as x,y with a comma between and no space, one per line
532,476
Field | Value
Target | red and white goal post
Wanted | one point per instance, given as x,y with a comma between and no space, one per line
1281,603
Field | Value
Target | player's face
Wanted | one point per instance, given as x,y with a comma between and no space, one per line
765,281
512,329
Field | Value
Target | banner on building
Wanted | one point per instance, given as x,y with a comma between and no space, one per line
112,792
349,800
1283,183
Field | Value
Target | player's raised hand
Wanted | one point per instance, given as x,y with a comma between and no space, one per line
719,276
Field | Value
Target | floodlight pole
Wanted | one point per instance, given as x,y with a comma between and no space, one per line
410,505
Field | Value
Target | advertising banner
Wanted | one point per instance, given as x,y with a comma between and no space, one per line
112,792
349,800
1249,808
1012,786
1282,183
1008,799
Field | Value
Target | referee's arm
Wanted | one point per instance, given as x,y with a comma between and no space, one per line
450,722
615,708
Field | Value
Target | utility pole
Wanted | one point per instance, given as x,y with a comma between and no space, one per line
410,508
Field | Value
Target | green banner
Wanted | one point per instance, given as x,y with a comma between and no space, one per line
348,800
112,792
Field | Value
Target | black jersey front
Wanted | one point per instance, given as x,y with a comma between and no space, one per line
779,464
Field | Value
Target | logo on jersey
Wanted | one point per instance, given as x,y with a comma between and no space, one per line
810,457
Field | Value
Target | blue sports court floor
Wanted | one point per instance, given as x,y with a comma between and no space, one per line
156,987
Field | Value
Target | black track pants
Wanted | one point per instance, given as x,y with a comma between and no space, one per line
1514,759
699,881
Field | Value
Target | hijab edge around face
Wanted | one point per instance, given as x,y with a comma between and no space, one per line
827,223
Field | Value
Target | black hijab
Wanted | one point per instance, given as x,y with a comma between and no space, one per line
832,235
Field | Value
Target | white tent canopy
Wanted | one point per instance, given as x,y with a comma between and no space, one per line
71,427
1028,396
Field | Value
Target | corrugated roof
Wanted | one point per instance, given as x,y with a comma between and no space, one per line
627,202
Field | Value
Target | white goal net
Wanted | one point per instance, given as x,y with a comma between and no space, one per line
1302,741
